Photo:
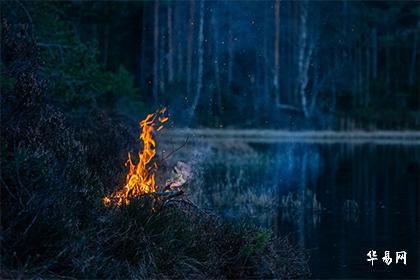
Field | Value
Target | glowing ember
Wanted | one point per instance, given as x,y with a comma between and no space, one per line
141,177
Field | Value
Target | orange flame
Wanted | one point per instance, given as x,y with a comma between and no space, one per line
141,177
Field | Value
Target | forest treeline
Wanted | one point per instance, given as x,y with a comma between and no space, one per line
282,64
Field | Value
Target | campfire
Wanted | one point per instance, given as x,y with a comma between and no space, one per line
140,179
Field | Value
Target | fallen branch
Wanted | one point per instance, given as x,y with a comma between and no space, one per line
167,194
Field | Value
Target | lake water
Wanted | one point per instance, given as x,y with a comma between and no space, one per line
344,200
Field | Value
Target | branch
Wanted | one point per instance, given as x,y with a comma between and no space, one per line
289,107
28,15
168,195
53,45
176,150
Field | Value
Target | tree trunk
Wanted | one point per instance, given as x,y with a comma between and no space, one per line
265,57
216,62
290,51
315,86
156,54
414,58
277,52
191,24
296,41
257,84
367,82
230,46
333,84
359,72
200,48
215,49
230,58
374,53
142,63
179,39
163,57
387,70
170,47
305,53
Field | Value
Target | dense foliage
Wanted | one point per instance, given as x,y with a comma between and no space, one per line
76,76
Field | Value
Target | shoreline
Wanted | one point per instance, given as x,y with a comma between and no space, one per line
380,137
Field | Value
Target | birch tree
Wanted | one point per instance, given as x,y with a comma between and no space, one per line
367,73
414,56
265,55
191,24
179,35
156,54
216,62
215,48
170,47
230,52
305,53
163,55
200,48
277,52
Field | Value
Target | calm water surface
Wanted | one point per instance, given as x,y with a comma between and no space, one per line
368,199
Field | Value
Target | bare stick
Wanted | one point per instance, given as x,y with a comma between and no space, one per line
176,150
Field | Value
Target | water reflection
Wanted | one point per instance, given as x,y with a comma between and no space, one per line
300,205
351,211
339,201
